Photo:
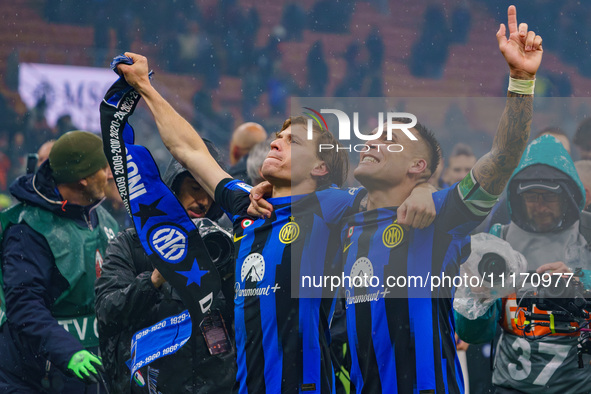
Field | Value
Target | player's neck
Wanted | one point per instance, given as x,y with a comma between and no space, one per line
387,197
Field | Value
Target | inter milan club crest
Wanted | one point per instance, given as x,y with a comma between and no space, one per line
170,242
392,235
289,232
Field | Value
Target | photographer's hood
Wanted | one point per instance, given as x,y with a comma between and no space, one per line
175,173
546,159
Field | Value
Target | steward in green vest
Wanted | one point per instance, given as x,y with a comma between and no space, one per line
53,244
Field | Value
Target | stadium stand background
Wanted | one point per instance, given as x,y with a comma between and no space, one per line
222,62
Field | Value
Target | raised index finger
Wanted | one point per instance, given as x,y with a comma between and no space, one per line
512,19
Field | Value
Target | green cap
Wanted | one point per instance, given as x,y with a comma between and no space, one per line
76,155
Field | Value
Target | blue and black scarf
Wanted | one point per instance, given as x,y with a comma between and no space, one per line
166,232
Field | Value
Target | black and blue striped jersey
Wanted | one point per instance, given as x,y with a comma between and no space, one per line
401,334
281,329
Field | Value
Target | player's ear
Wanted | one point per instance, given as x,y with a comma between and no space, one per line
319,169
418,166
235,151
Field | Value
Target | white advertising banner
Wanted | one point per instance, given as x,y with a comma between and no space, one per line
72,90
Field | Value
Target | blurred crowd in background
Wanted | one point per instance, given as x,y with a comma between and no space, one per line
215,41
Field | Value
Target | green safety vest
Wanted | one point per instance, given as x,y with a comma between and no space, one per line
78,253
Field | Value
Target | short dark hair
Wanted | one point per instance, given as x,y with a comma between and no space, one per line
428,138
583,135
336,160
552,130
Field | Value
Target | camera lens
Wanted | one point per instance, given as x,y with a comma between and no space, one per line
220,248
492,263
559,290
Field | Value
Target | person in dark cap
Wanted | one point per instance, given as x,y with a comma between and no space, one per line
53,243
545,199
131,295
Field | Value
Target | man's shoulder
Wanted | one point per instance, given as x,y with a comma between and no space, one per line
128,235
19,212
23,237
333,194
440,196
334,190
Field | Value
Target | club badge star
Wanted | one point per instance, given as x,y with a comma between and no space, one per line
148,211
193,276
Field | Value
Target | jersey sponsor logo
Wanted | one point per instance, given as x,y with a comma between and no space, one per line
253,268
392,235
361,272
98,263
289,232
169,242
246,222
361,276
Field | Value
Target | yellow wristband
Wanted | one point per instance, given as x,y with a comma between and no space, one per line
522,86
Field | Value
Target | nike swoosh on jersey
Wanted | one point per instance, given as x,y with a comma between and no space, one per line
236,239
347,247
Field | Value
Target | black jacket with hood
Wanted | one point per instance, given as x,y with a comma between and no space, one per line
127,302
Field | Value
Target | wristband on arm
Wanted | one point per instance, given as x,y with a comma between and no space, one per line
522,86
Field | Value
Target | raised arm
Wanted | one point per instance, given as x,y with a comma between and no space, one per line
179,137
523,53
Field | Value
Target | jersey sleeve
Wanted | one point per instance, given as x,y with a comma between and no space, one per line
232,196
339,203
464,205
